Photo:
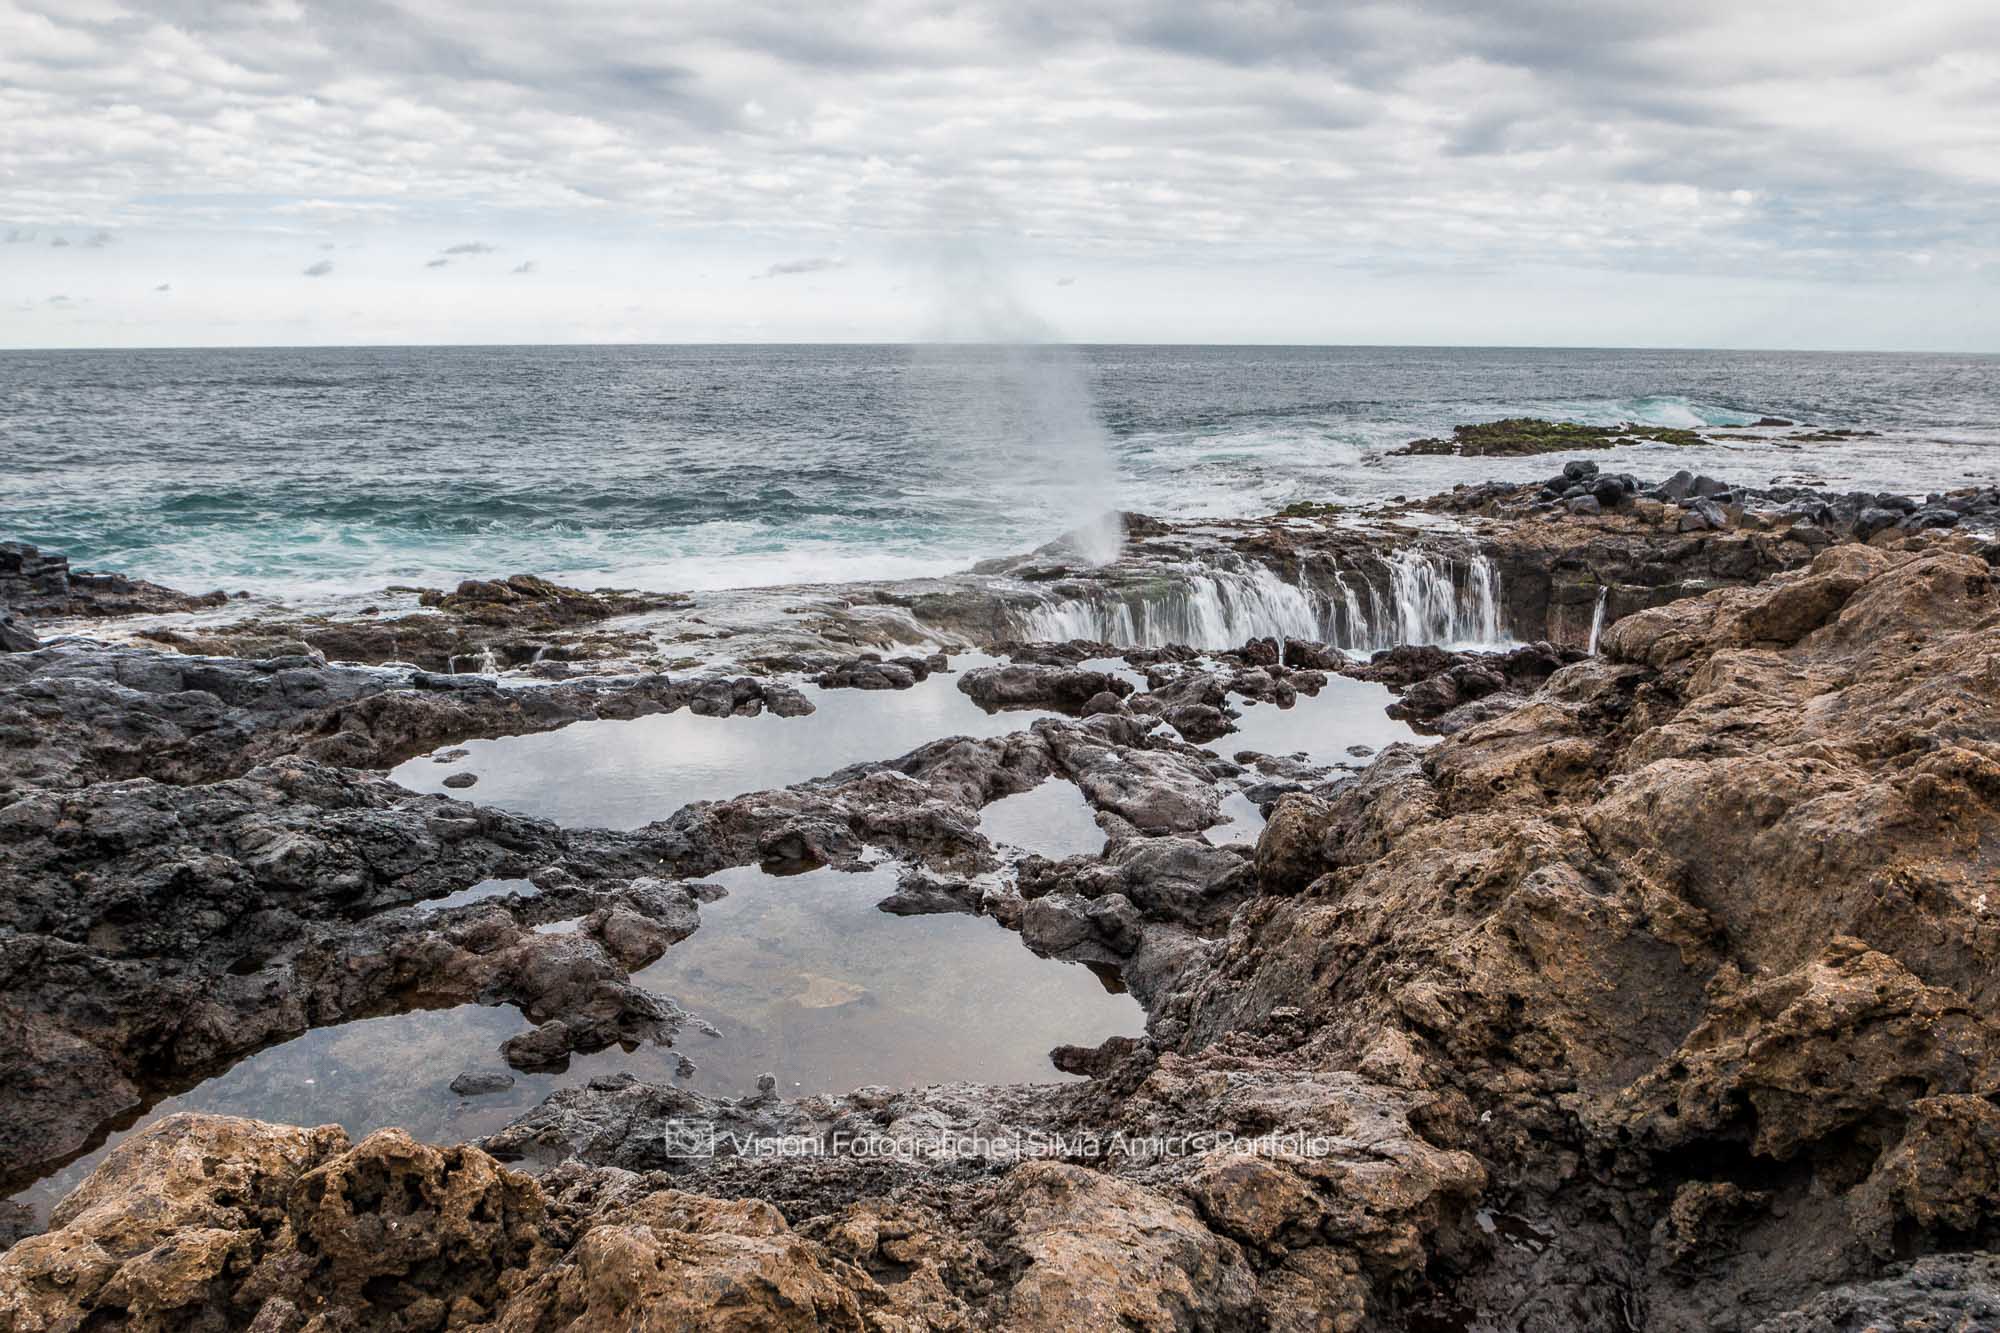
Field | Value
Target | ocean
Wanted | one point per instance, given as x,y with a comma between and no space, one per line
312,472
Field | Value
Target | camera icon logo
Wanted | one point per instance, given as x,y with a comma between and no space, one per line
690,1138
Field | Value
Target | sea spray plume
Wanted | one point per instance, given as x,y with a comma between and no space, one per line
1011,405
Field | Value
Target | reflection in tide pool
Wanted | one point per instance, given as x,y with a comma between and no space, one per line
807,980
1344,713
800,977
1051,819
480,892
361,1076
622,774
1241,821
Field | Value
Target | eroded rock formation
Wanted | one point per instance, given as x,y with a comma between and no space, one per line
1660,999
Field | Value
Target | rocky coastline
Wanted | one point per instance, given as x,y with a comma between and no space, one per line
1649,985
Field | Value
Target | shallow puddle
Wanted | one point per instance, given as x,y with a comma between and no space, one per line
796,976
622,774
806,980
480,892
1324,727
1241,821
1119,667
362,1075
1051,820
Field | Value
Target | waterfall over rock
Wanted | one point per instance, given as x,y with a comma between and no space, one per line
1413,596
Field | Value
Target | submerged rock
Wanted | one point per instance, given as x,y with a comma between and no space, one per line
483,625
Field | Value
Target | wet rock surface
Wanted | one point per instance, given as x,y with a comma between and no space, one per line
1656,995
1650,543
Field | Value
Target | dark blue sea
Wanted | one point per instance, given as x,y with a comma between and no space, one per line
314,471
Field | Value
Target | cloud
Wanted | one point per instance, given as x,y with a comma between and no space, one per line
1065,282
525,266
16,236
58,299
319,269
164,287
436,263
792,267
98,240
1435,136
60,242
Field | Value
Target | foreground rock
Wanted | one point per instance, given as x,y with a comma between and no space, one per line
1701,938
1659,1000
153,933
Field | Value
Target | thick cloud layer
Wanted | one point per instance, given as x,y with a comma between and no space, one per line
1417,147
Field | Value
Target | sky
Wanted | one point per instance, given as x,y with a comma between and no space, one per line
1721,173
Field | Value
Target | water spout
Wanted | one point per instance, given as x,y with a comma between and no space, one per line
1597,619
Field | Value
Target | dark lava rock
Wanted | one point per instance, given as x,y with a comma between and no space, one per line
1875,519
1932,516
478,1084
1311,655
152,932
869,671
1199,723
72,714
1065,689
1675,488
460,781
14,636
1103,702
41,585
1703,515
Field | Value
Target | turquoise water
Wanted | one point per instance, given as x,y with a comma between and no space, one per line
304,471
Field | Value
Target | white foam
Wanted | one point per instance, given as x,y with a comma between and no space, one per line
1423,597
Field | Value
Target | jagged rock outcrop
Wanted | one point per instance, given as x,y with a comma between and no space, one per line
76,714
154,932
1063,688
1661,1000
483,623
1447,691
40,585
1701,938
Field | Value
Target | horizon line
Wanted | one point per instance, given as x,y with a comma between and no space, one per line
956,342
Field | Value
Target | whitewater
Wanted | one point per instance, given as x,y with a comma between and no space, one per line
313,473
